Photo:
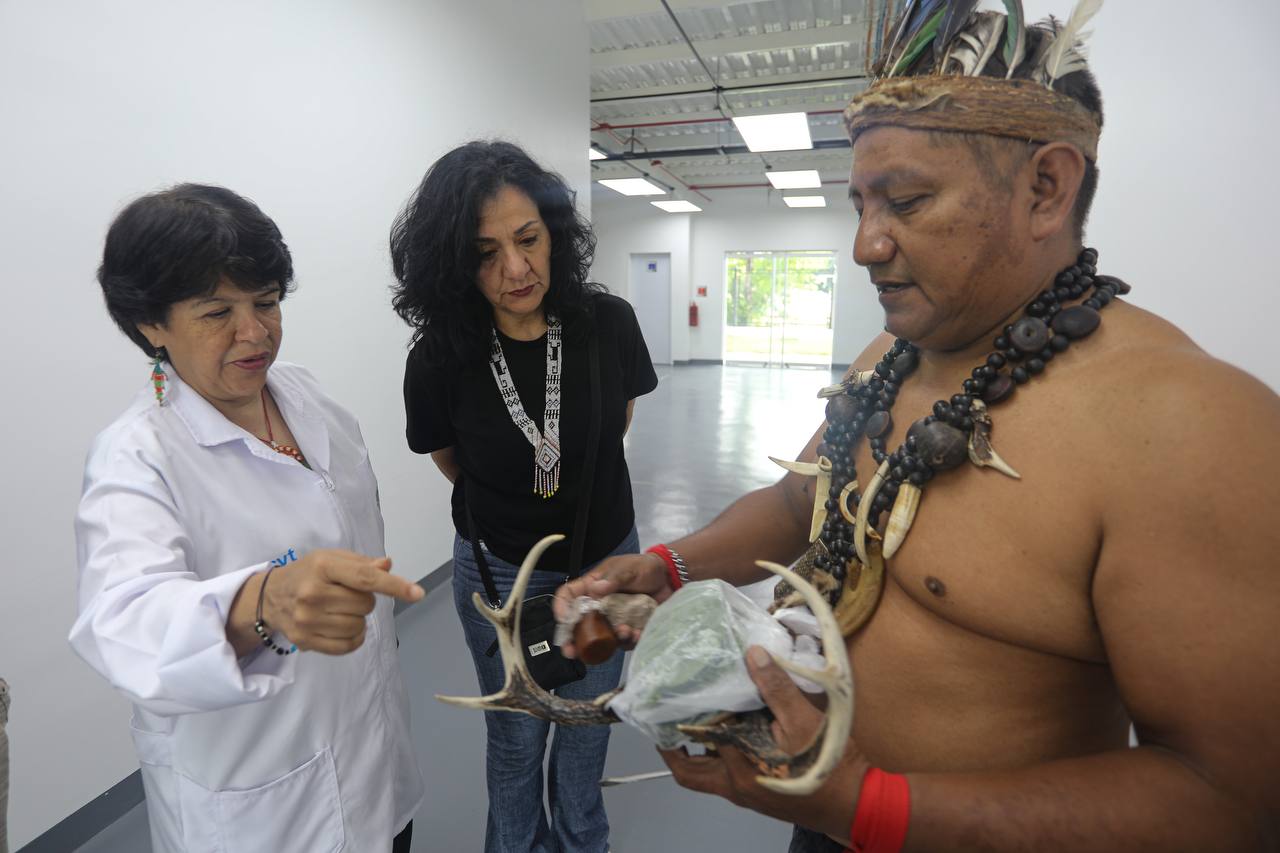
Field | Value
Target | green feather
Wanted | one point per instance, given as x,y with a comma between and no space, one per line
921,40
1014,35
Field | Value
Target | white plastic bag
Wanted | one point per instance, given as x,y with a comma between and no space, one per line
690,662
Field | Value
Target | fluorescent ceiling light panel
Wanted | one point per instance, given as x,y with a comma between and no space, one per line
676,206
597,154
804,179
779,132
632,186
805,200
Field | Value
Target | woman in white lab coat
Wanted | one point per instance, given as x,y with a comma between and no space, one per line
233,583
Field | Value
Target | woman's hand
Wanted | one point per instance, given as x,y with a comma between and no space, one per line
320,601
635,573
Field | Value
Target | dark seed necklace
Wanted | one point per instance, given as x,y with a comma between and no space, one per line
958,429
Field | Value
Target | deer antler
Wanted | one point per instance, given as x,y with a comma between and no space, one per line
520,692
751,732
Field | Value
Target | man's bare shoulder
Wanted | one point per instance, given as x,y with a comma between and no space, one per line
1149,372
871,353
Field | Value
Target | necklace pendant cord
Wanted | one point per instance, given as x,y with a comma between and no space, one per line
546,445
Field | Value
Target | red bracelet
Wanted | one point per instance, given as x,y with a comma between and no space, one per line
884,808
664,552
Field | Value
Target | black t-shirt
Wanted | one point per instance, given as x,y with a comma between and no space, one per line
461,407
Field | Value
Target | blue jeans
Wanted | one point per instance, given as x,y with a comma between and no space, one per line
516,742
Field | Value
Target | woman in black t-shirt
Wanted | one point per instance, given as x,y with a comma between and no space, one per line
492,262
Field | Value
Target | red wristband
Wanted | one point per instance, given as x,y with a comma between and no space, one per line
884,809
665,553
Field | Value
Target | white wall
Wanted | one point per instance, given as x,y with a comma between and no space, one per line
736,221
324,112
628,228
1185,210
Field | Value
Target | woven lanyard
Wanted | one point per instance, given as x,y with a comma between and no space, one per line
546,446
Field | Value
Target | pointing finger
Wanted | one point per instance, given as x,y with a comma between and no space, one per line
374,576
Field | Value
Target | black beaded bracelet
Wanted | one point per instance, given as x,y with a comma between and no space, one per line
261,628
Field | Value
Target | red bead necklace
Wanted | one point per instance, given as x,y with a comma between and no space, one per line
270,440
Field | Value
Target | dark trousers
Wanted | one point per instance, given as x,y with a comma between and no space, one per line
402,842
807,841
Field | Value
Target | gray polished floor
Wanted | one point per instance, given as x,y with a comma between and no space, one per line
696,443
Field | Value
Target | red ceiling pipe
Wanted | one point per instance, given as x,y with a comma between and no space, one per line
657,164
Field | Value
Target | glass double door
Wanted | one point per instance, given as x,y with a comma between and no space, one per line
779,307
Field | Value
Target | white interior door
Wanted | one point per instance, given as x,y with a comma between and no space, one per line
650,292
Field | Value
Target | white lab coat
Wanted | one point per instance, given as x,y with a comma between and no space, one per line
265,754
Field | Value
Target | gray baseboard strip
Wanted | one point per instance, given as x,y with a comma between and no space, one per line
105,809
90,819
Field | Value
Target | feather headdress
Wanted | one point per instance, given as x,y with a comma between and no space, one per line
953,37
946,65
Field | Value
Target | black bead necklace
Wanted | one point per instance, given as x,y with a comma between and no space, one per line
957,429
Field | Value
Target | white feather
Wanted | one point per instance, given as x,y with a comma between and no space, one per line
994,29
963,52
971,50
1063,58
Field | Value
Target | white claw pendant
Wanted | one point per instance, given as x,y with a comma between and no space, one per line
822,470
981,453
900,520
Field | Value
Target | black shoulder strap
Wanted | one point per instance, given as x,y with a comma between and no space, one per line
584,494
588,463
490,589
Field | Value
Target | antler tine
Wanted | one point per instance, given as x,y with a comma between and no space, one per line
504,618
526,571
836,679
519,691
506,622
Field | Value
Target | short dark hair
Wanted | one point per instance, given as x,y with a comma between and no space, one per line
435,258
178,243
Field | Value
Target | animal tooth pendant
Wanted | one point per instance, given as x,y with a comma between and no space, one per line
900,520
855,379
981,453
860,531
822,470
844,501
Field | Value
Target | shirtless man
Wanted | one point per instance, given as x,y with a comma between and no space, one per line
1128,578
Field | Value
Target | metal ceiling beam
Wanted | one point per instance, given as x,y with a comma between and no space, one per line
807,100
716,151
755,84
851,34
642,119
686,120
600,10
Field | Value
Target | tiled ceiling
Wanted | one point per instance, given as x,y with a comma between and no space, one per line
655,108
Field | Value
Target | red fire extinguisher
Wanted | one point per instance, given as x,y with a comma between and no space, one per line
693,314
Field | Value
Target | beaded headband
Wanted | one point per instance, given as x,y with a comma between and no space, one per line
932,75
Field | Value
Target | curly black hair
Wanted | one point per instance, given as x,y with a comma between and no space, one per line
178,243
435,258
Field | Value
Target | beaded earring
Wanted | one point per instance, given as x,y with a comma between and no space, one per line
158,376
